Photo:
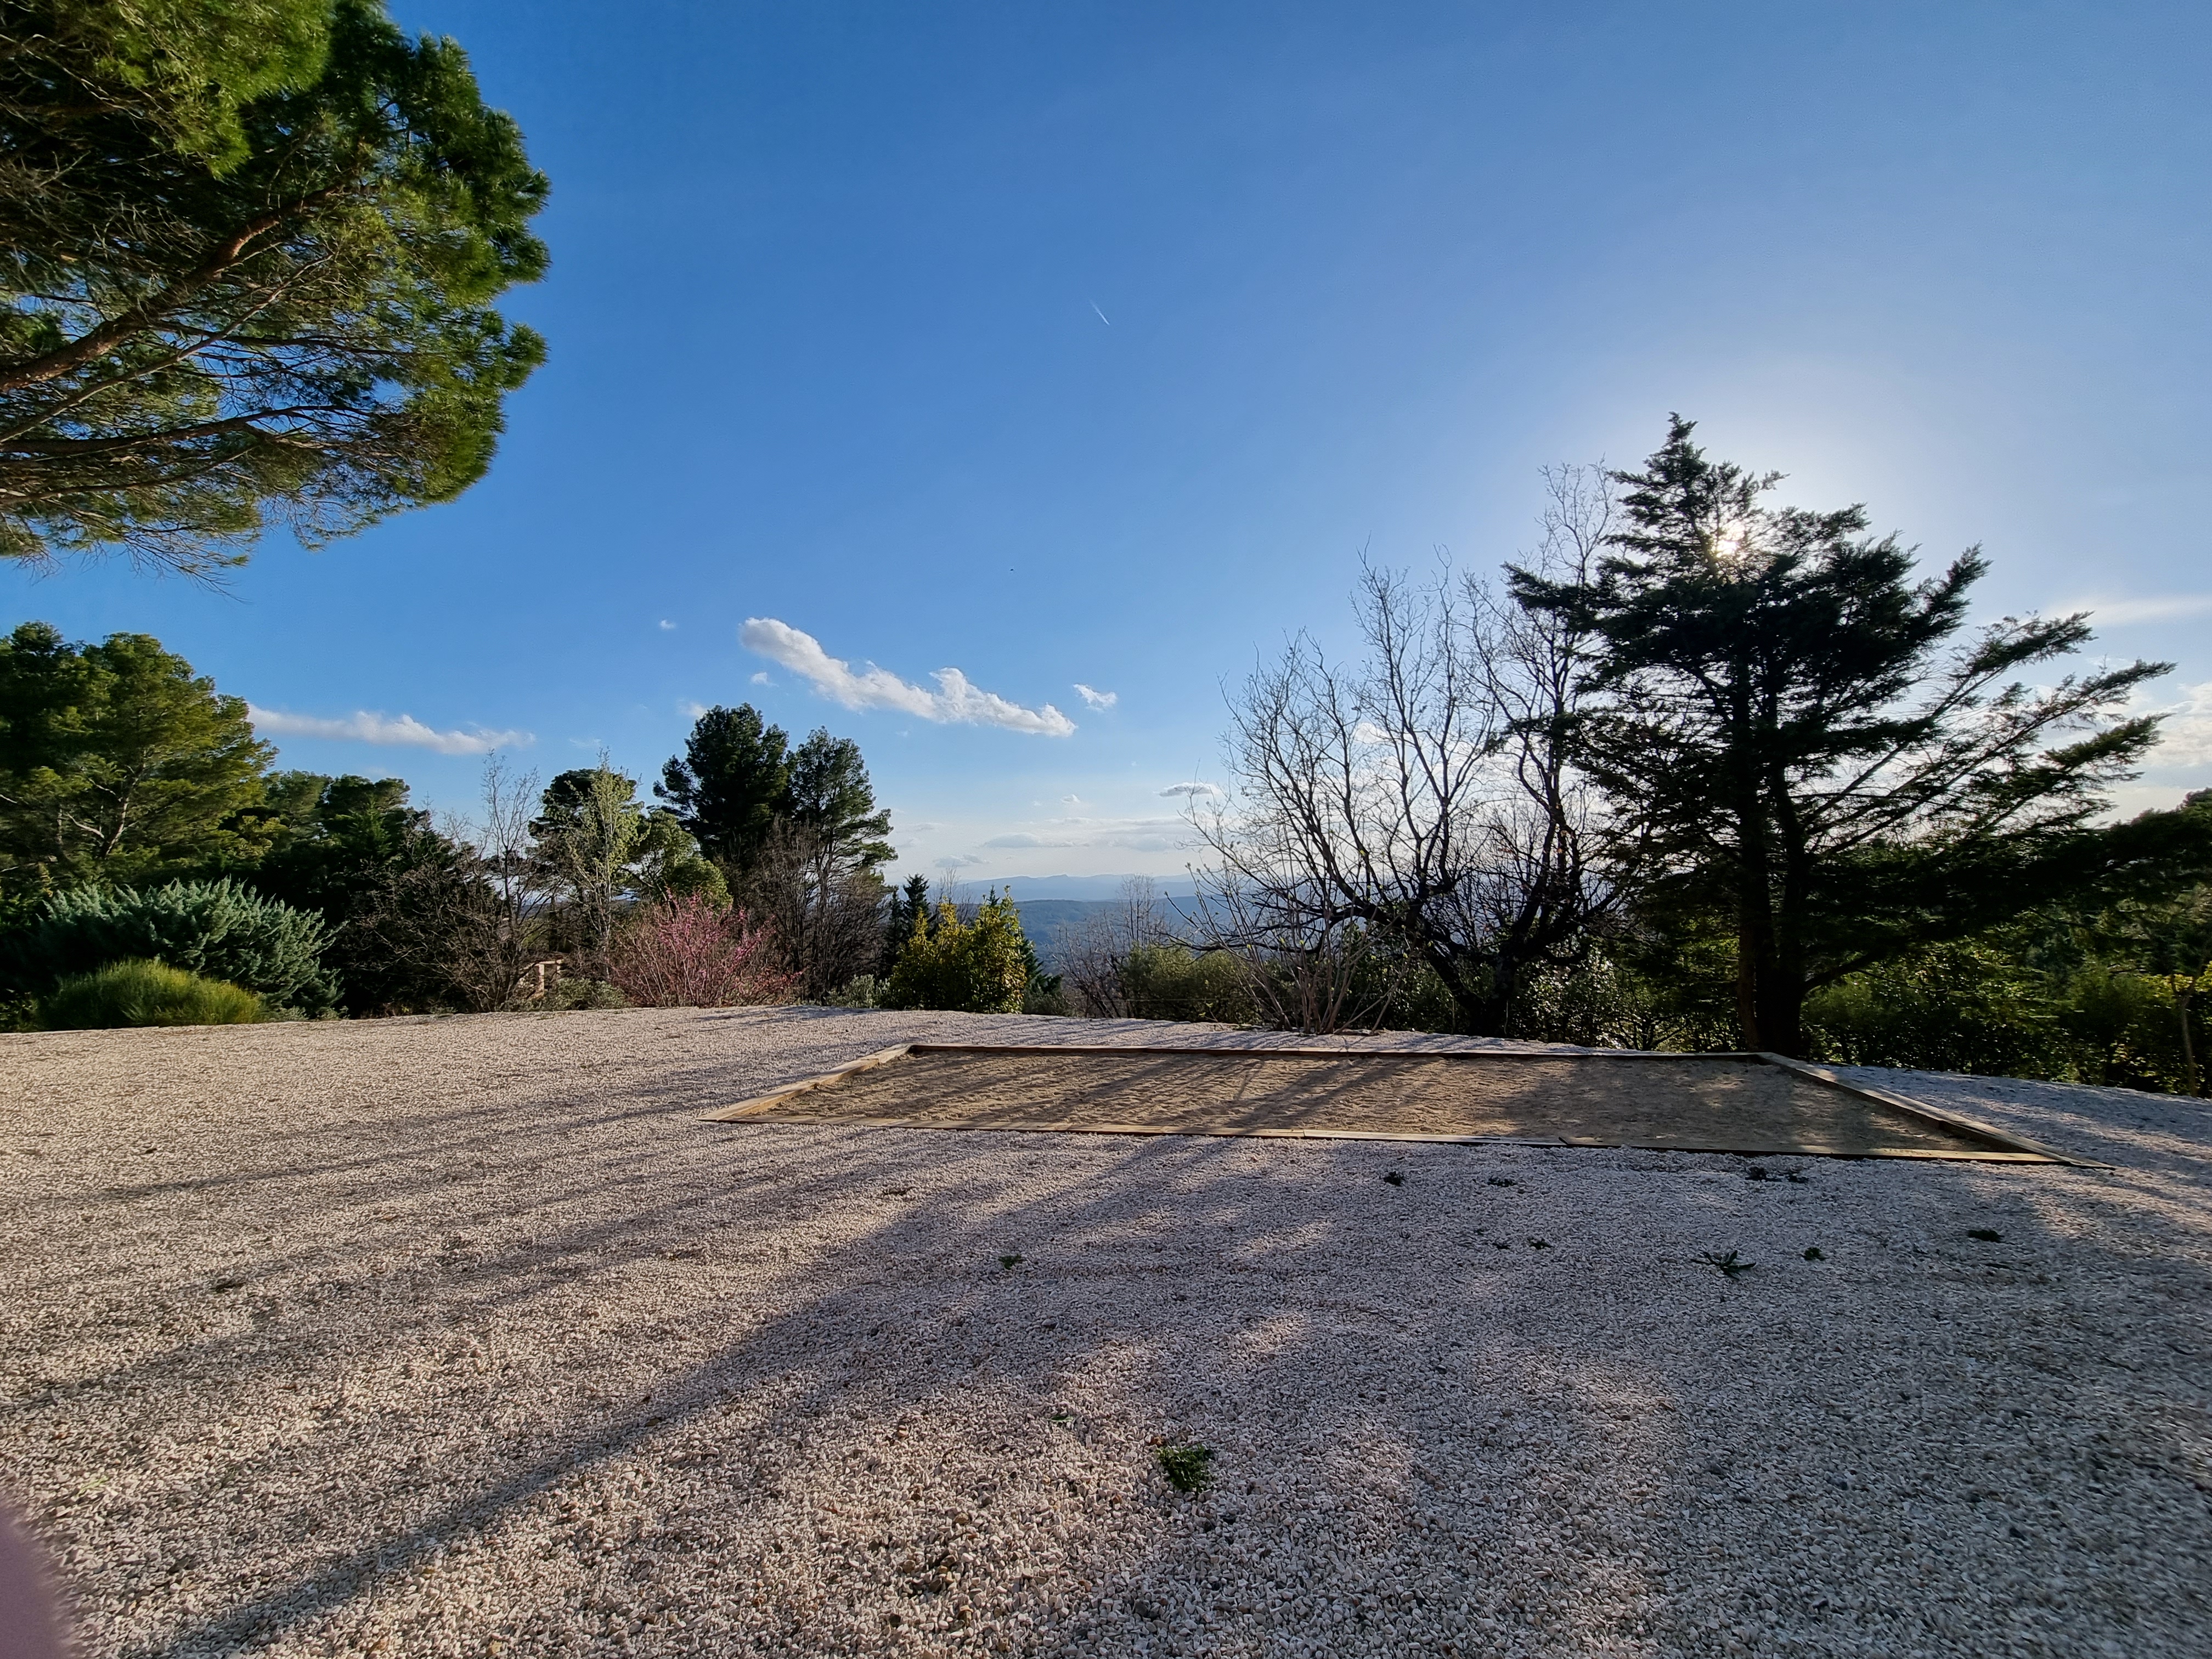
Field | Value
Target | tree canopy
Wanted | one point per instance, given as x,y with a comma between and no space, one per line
248,250
117,763
600,847
731,784
829,800
1788,737
739,786
353,850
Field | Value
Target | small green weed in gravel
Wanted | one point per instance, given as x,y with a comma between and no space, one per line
1186,1465
1394,1178
1730,1264
1011,1262
1987,1235
1502,1181
1815,1252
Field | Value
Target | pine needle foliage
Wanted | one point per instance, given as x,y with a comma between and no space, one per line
248,253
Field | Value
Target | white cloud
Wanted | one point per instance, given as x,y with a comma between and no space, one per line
959,861
2119,613
668,625
365,727
762,678
1131,834
955,702
691,710
1097,699
1193,790
1160,840
2185,733
1071,801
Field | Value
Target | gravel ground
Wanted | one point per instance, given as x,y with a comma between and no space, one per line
466,1337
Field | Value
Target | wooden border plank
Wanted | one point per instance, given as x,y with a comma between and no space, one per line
1016,1125
760,1103
1959,1122
1125,1049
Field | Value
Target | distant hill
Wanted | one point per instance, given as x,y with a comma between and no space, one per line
1024,888
1053,923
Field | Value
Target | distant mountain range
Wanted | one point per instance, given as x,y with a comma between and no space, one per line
1052,924
1025,887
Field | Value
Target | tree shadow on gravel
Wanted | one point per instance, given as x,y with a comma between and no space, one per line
657,1339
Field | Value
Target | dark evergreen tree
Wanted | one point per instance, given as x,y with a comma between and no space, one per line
118,764
830,801
1790,741
731,784
399,894
909,903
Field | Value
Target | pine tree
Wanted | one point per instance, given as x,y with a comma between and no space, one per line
830,801
1791,739
731,784
248,253
118,763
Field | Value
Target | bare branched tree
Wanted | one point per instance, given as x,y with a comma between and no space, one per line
1424,793
827,911
482,930
1095,953
1312,965
459,916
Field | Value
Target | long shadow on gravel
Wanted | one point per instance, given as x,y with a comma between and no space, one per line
619,1375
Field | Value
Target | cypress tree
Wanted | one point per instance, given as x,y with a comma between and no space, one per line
1792,740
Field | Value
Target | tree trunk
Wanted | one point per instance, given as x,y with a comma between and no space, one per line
1483,1011
1758,958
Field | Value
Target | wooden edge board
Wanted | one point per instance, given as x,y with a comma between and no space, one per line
759,1103
1128,1050
1957,1121
1024,1127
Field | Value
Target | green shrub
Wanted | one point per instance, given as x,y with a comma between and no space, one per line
1948,1008
572,994
979,967
2125,1029
1045,995
219,930
861,991
1166,982
142,993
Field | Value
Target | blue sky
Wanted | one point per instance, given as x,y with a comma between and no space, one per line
1087,345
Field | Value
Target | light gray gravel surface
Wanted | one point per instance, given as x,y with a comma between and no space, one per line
466,1337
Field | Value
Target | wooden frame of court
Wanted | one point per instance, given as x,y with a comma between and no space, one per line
1980,1142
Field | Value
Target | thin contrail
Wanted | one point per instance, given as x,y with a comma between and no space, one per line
1102,317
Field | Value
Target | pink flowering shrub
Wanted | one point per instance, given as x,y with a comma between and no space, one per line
687,953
